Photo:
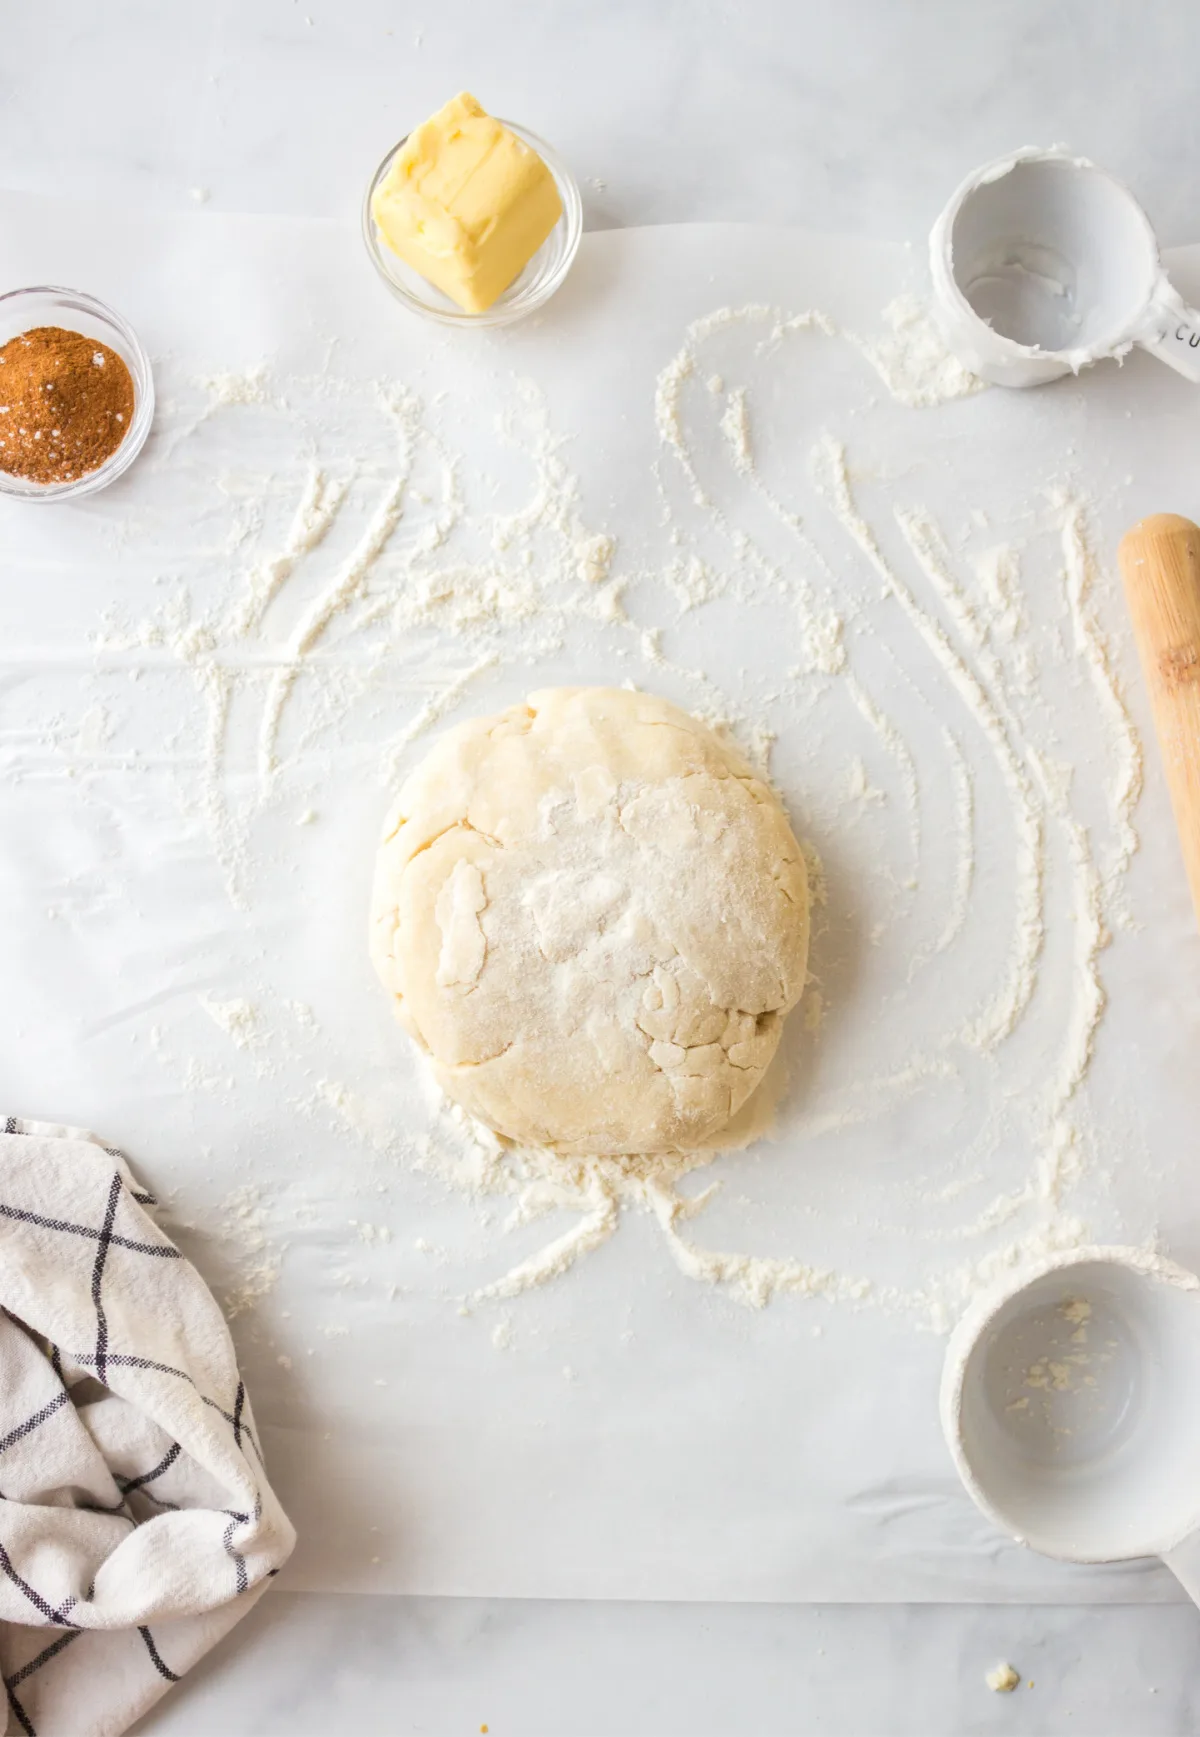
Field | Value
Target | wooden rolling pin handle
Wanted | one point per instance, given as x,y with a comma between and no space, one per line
1160,564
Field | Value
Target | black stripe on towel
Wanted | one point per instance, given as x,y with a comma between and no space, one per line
162,1669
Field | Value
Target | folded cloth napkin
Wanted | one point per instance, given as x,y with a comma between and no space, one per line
136,1521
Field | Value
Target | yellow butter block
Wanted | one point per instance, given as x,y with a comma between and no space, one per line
466,204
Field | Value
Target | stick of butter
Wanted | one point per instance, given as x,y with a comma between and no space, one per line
466,204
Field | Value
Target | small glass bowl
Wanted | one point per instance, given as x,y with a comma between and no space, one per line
23,309
531,290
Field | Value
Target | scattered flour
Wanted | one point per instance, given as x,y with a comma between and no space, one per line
912,360
352,1113
597,1190
824,645
238,1019
1001,1016
735,426
434,709
248,387
959,903
1079,565
898,750
243,1225
505,588
342,589
318,508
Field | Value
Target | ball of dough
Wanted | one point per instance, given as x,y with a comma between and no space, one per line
593,917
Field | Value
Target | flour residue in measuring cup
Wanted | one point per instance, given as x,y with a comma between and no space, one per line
1064,1378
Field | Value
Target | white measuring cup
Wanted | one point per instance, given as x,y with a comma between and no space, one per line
1042,264
1071,1405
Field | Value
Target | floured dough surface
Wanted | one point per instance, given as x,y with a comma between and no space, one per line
594,917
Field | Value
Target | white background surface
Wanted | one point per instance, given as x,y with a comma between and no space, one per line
860,118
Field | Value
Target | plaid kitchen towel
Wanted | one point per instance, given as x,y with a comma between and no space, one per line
136,1521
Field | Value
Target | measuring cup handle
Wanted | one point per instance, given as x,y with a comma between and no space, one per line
1172,331
1184,1563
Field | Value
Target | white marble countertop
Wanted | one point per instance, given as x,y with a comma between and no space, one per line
371,1666
857,117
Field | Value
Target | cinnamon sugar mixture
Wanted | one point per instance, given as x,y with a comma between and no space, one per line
66,404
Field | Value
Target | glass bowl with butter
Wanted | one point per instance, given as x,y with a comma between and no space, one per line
470,220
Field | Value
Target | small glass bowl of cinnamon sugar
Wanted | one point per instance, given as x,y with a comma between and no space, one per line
104,418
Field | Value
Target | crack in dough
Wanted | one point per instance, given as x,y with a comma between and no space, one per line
593,917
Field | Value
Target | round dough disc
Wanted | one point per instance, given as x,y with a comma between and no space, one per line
593,917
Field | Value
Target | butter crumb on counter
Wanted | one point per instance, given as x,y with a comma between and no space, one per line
466,203
1002,1679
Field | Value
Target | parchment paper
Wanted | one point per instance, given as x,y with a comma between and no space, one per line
183,950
